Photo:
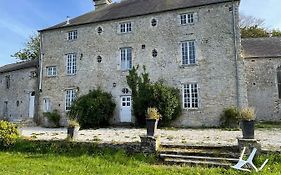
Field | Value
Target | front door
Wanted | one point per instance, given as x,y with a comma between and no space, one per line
126,109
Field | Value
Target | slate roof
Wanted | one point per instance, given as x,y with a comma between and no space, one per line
261,47
18,66
133,8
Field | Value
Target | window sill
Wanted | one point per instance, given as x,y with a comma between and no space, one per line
191,109
51,76
70,75
188,65
69,41
187,24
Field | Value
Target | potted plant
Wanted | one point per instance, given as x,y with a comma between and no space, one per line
247,123
72,129
152,119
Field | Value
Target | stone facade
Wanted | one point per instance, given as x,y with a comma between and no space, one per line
262,60
217,40
263,88
18,89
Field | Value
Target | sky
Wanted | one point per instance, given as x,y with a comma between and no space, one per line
20,19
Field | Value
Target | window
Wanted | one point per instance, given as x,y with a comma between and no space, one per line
126,58
190,96
279,81
71,64
188,52
8,81
153,22
99,30
46,105
126,27
51,71
187,18
99,59
69,98
154,53
72,35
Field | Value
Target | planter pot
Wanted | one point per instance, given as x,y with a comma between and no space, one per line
72,132
151,126
248,129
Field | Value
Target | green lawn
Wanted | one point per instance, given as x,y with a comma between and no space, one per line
56,158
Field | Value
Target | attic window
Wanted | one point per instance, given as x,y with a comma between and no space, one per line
72,35
153,22
99,30
187,18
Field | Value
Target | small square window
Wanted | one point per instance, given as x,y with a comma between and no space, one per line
72,35
187,18
125,27
51,71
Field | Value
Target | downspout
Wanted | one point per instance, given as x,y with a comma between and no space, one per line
40,62
236,56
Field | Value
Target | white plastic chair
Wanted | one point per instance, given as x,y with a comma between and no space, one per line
249,161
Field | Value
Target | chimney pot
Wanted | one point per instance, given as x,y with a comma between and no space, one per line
101,3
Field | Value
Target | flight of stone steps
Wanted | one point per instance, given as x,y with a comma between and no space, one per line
211,156
24,122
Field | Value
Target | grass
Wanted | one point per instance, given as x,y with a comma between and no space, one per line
268,125
57,157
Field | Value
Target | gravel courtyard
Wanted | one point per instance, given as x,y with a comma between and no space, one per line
270,139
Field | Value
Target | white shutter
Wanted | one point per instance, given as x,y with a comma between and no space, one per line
196,17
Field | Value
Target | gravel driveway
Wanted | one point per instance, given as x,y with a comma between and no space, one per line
270,139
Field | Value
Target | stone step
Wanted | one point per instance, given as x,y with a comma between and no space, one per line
24,123
200,147
200,152
200,158
173,161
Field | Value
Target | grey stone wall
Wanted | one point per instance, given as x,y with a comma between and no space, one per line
215,71
263,88
22,83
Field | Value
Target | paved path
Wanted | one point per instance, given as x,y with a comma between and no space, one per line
269,138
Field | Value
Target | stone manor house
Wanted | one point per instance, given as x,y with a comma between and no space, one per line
193,45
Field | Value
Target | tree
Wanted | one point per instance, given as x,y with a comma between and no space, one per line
146,94
250,21
31,50
254,32
276,33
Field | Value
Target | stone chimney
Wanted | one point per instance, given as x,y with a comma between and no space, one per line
101,3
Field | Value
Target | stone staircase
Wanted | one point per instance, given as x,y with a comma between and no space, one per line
24,122
211,156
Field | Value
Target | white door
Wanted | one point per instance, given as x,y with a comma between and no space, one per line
31,104
126,109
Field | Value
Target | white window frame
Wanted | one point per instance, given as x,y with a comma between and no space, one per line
126,58
190,96
125,27
51,71
72,35
188,52
46,104
187,18
71,64
70,96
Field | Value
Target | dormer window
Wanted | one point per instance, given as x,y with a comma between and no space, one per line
187,18
72,35
125,27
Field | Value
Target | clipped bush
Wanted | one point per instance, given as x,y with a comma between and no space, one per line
53,117
8,133
93,110
146,94
230,117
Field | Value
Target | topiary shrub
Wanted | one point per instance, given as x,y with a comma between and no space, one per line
167,100
93,110
230,117
8,133
146,94
53,117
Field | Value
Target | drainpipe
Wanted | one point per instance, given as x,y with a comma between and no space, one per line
40,62
236,55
